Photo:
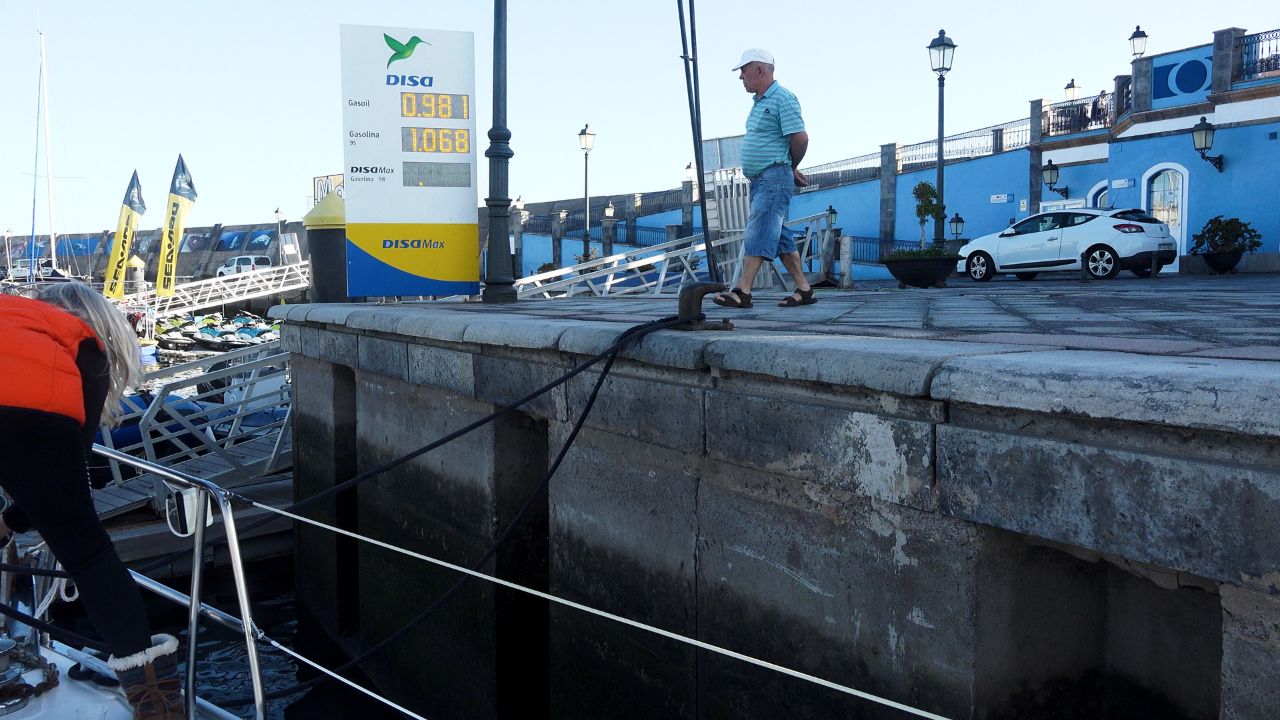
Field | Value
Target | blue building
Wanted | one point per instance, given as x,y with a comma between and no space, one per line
1131,147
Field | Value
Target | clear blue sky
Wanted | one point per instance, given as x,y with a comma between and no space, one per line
249,92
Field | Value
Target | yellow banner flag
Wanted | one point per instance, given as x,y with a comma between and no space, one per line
182,194
130,212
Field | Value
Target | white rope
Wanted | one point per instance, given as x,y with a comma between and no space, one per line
341,679
610,616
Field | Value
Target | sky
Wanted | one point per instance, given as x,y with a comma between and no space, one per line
249,92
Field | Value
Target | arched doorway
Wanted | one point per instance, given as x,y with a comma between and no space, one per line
1165,197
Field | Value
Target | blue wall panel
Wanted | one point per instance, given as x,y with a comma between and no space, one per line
858,206
1181,78
971,184
1079,180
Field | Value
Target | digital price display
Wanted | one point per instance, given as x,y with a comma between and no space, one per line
435,140
409,133
435,105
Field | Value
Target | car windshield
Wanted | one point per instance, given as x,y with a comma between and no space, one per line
1135,215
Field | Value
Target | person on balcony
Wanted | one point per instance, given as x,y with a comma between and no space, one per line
65,364
774,145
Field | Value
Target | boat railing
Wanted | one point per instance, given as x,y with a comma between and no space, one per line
209,407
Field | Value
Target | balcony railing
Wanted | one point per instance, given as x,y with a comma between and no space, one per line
1124,98
1077,116
843,172
973,144
1259,55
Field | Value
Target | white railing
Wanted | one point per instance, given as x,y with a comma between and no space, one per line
210,406
213,292
666,268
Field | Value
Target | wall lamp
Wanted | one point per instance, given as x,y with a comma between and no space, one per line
1202,139
1050,174
957,225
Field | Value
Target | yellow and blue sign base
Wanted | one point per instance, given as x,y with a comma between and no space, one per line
412,259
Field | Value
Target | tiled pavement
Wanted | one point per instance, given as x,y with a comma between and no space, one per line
1227,316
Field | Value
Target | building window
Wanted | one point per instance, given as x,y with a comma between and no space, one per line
1164,197
1100,199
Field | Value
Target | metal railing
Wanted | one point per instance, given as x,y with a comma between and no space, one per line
870,251
1124,98
210,406
1259,55
666,268
213,292
965,146
1077,116
842,172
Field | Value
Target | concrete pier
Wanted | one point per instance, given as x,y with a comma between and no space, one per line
980,502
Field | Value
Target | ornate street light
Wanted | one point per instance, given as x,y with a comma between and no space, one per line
1072,90
957,226
608,211
586,140
1050,174
941,52
1138,42
1202,140
499,280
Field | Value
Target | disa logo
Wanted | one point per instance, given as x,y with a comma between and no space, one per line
399,50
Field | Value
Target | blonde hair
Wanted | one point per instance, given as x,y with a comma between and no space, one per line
109,324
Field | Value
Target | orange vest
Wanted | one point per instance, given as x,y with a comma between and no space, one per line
38,347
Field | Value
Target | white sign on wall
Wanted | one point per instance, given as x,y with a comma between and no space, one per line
1002,198
409,135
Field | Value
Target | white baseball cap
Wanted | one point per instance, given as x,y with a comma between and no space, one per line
754,55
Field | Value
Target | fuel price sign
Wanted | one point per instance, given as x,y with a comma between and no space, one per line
409,137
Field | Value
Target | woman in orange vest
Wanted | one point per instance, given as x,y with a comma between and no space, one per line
63,371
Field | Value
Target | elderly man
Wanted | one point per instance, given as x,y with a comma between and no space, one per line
771,153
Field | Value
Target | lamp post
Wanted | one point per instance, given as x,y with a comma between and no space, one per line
8,252
280,221
586,139
607,230
1138,42
941,51
1072,90
518,218
499,285
1202,140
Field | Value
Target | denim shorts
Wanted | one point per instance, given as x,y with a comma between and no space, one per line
771,193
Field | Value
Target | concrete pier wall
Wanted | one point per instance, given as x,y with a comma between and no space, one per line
975,529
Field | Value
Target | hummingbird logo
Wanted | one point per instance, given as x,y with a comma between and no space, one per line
399,50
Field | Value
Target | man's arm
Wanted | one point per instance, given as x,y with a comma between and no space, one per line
799,145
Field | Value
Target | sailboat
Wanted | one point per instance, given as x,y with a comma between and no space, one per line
33,267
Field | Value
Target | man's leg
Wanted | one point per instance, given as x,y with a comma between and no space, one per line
751,265
791,261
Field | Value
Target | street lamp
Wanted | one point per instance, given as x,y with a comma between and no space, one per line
586,139
1138,42
957,226
608,211
1202,140
280,221
1050,174
1072,90
499,282
941,52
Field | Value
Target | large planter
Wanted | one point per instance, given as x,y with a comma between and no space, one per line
922,272
1223,262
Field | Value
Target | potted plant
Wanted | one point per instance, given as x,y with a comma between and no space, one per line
928,266
1223,241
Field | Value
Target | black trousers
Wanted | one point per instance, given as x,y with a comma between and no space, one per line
42,467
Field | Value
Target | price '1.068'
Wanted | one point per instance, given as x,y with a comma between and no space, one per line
435,140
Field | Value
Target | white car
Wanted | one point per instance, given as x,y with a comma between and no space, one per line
1108,240
243,264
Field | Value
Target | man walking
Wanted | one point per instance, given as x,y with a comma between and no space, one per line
774,145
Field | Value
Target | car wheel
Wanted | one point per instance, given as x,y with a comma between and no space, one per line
1102,262
980,267
1027,276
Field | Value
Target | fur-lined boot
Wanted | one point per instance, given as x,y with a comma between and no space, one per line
150,680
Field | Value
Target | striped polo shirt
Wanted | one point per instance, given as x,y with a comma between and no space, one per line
774,116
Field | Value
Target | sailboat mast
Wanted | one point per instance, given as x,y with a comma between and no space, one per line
48,154
35,169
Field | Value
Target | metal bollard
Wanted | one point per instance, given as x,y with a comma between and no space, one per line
1084,266
1155,265
846,262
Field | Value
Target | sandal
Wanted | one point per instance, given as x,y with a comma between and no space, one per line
735,298
806,298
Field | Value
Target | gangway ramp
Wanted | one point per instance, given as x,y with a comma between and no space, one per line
218,291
